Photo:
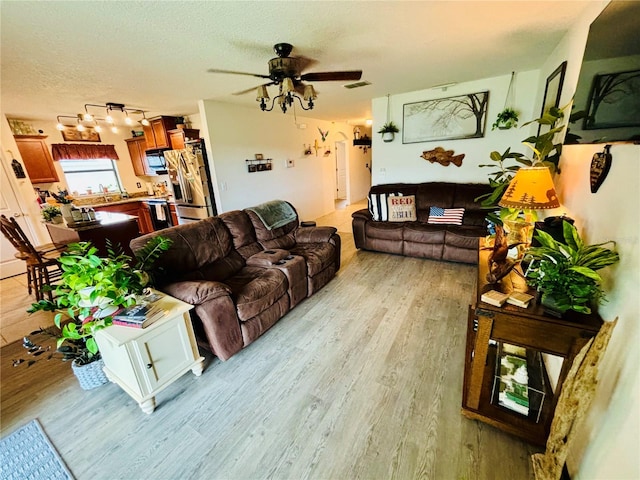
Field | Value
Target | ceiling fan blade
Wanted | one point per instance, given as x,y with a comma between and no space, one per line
217,70
332,76
252,89
305,63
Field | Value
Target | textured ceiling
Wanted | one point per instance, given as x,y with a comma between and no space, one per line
58,56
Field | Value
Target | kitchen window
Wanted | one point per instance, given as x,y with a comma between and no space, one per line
87,175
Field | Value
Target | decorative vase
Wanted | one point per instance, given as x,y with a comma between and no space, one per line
388,137
90,375
57,219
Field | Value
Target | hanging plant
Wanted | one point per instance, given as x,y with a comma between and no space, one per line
507,118
389,129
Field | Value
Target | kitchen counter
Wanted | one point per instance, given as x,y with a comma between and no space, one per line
115,227
115,199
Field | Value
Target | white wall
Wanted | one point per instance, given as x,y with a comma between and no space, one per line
607,446
398,162
236,134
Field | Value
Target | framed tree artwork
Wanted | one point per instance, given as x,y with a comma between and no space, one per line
614,101
552,92
462,116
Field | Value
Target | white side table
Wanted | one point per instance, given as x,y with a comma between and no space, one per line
144,361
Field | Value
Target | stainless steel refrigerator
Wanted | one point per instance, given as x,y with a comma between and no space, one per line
191,182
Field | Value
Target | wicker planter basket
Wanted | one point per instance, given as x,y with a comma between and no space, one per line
90,375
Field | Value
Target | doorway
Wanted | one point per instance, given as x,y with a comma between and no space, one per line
342,175
10,207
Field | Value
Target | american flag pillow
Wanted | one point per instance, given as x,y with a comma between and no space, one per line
446,216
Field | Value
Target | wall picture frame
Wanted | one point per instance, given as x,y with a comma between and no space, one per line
259,156
614,101
552,93
448,118
71,134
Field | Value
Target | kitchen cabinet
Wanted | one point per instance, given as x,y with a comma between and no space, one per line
138,209
137,147
174,213
145,361
156,133
178,136
36,157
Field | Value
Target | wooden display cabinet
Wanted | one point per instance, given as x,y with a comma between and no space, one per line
137,147
37,159
490,327
155,134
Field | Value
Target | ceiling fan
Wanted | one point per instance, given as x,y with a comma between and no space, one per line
286,72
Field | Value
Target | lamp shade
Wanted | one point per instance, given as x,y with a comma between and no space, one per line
309,93
287,85
531,189
262,93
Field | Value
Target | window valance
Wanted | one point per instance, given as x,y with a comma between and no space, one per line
74,151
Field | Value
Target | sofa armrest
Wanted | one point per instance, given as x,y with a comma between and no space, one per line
314,234
216,318
196,292
365,214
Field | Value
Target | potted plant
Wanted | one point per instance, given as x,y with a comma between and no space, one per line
388,131
65,201
91,290
51,214
565,273
506,119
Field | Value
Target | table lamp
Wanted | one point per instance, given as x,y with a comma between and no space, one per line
530,189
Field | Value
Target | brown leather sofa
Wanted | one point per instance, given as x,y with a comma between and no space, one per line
456,243
241,276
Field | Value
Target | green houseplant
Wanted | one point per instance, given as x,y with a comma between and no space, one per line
91,290
506,119
388,131
565,273
52,214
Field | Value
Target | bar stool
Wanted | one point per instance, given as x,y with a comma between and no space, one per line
42,261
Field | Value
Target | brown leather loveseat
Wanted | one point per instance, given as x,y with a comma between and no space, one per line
242,276
420,237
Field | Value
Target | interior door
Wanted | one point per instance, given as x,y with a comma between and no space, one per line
341,171
9,207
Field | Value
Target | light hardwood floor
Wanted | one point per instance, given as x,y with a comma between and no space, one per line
361,381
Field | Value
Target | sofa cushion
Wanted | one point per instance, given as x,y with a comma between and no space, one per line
255,289
195,245
445,216
317,255
383,230
402,209
242,233
422,233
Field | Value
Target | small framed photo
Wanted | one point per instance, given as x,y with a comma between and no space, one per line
259,156
252,168
262,167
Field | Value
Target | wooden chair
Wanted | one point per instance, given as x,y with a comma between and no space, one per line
42,261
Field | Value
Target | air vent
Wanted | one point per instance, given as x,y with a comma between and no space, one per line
357,84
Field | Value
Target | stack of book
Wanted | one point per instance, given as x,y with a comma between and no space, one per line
519,299
141,315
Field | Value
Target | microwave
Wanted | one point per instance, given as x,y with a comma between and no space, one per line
156,162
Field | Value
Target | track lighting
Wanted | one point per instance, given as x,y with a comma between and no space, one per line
109,118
